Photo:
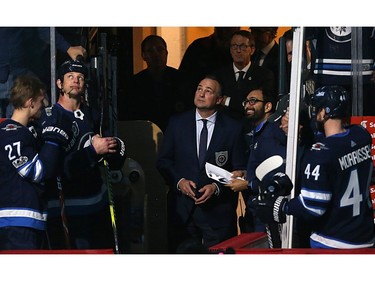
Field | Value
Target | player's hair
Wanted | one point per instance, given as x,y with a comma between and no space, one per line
152,38
215,78
24,88
247,34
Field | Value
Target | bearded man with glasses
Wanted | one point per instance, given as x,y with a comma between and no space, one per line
264,139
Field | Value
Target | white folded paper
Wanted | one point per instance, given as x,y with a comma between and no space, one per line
218,174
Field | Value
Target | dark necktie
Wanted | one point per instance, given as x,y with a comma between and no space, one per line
240,78
260,58
203,143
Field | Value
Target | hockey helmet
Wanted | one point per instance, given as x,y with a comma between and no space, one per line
72,66
334,99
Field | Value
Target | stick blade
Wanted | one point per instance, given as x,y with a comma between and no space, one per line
268,165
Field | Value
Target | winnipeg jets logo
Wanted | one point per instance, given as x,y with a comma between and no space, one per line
319,146
221,158
11,127
339,34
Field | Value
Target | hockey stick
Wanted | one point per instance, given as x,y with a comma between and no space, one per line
111,206
268,165
64,220
104,100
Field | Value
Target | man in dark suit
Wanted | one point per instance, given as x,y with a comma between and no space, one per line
235,88
267,49
202,56
154,93
199,207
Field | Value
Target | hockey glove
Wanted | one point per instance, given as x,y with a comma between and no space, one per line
278,185
116,160
59,129
270,209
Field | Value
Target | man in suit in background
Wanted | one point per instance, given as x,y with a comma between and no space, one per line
199,207
153,93
267,49
235,86
204,55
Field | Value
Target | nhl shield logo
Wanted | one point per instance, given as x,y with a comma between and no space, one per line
221,158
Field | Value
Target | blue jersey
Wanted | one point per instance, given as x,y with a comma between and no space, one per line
267,140
80,175
333,64
22,173
335,193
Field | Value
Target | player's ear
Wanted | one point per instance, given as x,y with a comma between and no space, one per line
321,114
219,100
59,83
29,103
268,107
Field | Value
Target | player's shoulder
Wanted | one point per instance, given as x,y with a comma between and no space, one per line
55,112
322,151
9,125
11,131
320,146
359,131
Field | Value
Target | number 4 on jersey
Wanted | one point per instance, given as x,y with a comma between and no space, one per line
315,173
352,195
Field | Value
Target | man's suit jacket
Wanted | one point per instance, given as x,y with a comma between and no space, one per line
254,77
271,61
178,159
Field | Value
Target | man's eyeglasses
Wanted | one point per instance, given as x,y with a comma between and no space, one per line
251,101
243,47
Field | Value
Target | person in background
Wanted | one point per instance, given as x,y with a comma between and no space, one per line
16,57
264,140
306,63
241,75
198,207
154,93
267,49
26,162
339,58
202,57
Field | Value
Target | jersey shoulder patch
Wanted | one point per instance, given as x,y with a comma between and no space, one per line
319,146
11,127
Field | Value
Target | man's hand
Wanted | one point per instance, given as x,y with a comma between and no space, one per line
75,51
104,145
205,193
187,187
116,160
237,184
284,121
